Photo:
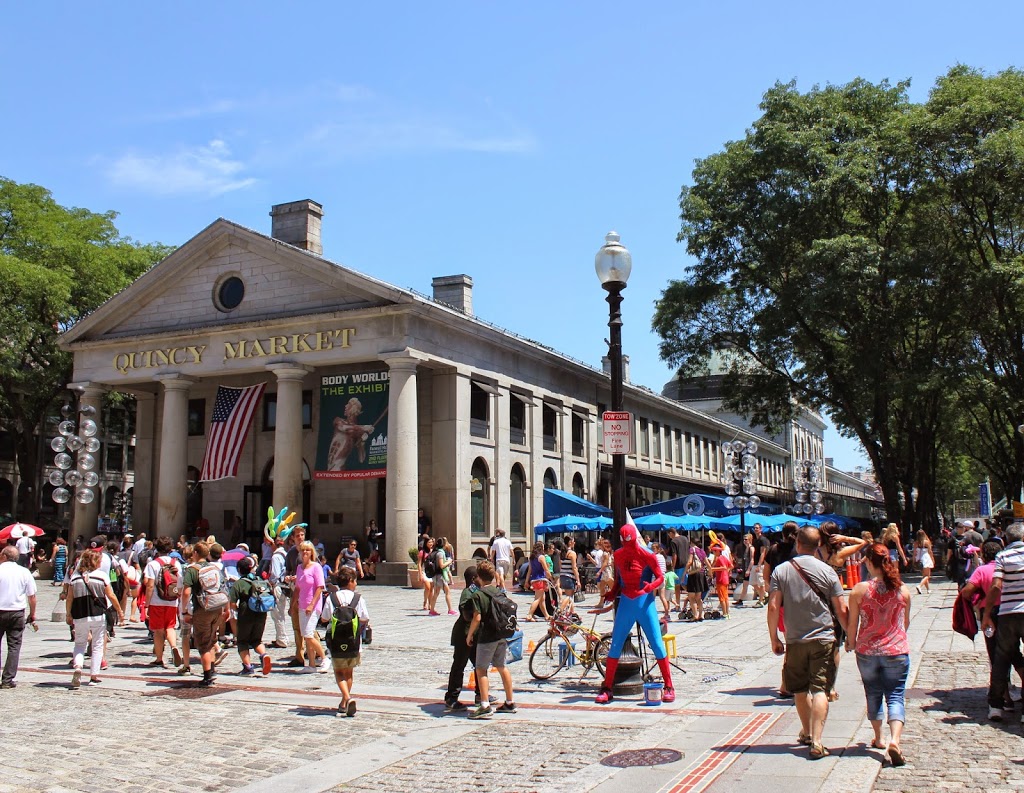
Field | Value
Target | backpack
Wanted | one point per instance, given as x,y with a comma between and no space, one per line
343,631
167,580
261,600
500,617
211,588
430,565
116,578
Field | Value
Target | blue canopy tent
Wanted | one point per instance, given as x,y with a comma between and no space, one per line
659,521
558,504
571,523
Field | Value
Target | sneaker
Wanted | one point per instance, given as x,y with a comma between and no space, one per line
604,696
737,602
220,657
247,671
325,666
104,665
277,644
434,613
206,682
94,681
76,678
341,710
918,588
350,708
759,605
491,699
266,664
9,684
176,655
506,707
483,712
308,670
455,707
452,612
995,714
184,669
668,695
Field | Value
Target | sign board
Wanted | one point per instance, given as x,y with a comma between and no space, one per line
984,499
353,439
618,432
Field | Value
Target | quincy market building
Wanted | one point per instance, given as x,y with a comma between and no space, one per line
379,401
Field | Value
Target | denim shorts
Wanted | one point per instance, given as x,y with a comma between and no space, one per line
884,676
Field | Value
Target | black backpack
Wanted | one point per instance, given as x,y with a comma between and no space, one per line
430,564
500,617
116,577
344,631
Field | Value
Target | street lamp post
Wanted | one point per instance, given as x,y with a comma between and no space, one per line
807,484
613,264
740,478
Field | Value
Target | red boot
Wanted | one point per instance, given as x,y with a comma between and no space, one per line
669,694
604,696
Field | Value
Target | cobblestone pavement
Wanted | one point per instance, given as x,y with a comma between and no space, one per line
281,732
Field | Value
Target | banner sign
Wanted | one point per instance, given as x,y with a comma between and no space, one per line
984,499
352,442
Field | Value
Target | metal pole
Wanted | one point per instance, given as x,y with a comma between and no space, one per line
615,355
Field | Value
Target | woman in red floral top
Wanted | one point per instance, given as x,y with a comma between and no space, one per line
878,621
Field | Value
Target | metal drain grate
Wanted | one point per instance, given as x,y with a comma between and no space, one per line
634,758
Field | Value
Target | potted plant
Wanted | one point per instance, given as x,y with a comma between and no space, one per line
414,571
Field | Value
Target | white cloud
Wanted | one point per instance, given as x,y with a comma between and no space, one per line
375,136
200,170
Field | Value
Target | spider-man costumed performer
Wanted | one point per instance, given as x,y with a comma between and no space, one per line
636,605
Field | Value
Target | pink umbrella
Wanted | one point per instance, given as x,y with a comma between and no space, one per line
18,530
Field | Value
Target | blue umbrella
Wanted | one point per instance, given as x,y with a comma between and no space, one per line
568,523
659,521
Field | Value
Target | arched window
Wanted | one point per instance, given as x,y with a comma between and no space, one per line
517,502
577,486
550,480
479,499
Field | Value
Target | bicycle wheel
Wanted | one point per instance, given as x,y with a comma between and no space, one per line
547,658
601,654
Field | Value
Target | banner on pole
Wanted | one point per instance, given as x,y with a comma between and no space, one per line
984,499
352,442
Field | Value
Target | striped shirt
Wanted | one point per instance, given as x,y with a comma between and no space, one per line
1010,568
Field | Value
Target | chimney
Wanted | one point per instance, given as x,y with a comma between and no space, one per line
454,290
298,224
606,366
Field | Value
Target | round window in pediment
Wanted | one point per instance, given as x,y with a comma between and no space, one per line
229,293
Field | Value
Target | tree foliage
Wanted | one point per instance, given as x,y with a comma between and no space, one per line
847,249
57,265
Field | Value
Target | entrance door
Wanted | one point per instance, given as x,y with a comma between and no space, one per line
254,513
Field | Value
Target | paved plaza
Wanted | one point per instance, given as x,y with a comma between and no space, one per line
146,730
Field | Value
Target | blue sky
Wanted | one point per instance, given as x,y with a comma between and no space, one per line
501,140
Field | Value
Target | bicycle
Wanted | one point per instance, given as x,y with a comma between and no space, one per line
554,650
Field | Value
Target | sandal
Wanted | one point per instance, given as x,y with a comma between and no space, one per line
803,739
818,751
896,756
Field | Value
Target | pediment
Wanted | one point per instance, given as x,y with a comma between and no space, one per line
280,280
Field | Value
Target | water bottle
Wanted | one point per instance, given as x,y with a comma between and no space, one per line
990,631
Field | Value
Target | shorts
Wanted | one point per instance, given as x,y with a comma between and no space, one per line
249,630
345,663
680,576
809,666
308,623
722,590
163,618
491,654
756,576
567,582
539,585
503,568
205,627
440,582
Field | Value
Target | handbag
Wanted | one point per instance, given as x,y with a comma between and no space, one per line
837,627
578,597
368,635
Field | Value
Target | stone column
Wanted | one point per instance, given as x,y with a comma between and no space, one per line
87,515
288,438
172,485
142,489
402,469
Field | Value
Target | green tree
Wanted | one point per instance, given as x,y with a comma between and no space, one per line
818,267
57,264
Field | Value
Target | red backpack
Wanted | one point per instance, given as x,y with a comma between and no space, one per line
964,620
167,579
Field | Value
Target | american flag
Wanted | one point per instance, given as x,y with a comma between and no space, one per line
232,415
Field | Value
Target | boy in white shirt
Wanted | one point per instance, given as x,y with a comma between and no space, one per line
346,659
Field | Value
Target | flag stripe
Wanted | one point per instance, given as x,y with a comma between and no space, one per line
232,417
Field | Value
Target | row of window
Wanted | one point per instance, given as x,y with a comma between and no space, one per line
197,414
480,420
518,516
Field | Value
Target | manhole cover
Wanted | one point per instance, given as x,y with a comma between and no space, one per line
642,757
187,692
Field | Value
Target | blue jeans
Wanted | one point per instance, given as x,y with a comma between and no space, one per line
884,676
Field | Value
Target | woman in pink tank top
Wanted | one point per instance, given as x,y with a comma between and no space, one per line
878,621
